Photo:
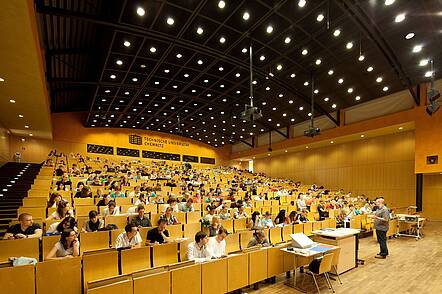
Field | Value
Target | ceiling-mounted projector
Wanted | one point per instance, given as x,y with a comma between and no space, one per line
311,132
251,113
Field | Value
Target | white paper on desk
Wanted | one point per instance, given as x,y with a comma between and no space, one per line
300,240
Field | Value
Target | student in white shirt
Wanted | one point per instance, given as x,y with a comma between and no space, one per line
130,238
266,221
198,250
217,245
111,209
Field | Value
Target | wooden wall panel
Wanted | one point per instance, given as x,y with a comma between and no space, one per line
372,166
432,197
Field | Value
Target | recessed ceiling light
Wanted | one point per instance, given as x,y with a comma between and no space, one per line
126,43
309,114
103,100
157,83
362,136
417,48
134,79
340,81
244,50
166,71
279,67
332,142
349,45
326,99
222,40
318,61
320,17
334,105
119,62
199,31
378,79
267,88
2,79
31,134
301,108
287,40
401,128
304,52
179,55
221,4
370,68
141,11
246,16
284,114
12,100
301,3
361,57
269,29
385,89
316,91
113,76
220,68
269,119
221,86
143,66
262,58
26,127
399,17
350,90
274,108
107,91
357,98
330,72
264,103
238,75
423,62
389,2
23,139
126,93
206,81
170,21
428,74
337,32
409,36
153,49
200,62
254,82
306,83
186,75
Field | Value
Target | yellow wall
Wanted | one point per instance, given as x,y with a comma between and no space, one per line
432,197
69,135
374,166
4,146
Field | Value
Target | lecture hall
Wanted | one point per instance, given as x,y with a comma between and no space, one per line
220,146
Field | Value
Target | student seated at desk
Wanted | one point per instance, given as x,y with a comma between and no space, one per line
198,249
323,214
169,217
25,229
54,199
187,206
158,235
240,213
280,218
111,209
94,223
207,219
58,227
214,226
217,245
302,217
266,221
259,239
224,213
141,200
68,246
141,220
63,210
104,201
129,238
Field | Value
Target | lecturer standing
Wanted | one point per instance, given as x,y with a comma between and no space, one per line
381,218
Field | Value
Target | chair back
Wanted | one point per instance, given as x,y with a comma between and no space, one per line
336,252
326,263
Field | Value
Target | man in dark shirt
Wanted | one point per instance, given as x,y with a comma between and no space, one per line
25,229
323,214
141,220
159,234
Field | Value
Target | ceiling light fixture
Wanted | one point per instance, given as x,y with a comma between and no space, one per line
330,72
222,40
269,29
337,32
361,57
279,67
429,74
409,36
357,98
320,17
113,77
153,49
292,75
370,68
301,3
262,58
389,2
170,21
221,4
304,52
423,62
179,55
350,90
417,48
12,100
126,43
378,79
200,62
199,31
399,17
119,62
318,61
334,105
141,11
2,79
326,99
385,89
340,81
244,50
287,40
246,16
349,45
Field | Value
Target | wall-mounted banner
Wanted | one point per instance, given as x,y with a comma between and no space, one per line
154,142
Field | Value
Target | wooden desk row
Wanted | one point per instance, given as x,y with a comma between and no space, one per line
106,239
